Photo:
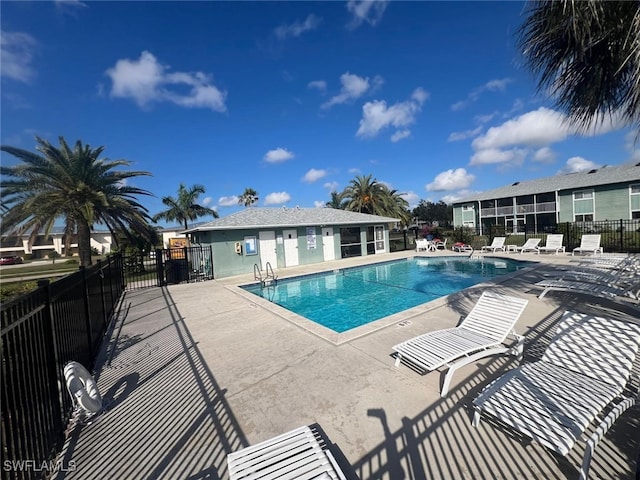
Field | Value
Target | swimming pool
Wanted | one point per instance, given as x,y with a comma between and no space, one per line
348,298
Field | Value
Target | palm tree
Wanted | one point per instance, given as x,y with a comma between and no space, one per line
248,197
396,206
587,56
336,201
74,185
184,208
364,194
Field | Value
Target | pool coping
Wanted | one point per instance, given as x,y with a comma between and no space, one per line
402,318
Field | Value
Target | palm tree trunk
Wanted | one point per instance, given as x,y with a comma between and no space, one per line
84,242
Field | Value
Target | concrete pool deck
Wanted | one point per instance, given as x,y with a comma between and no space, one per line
194,371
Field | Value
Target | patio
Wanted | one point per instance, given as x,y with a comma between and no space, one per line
194,371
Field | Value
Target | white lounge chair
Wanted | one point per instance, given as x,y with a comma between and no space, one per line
440,245
531,245
496,244
589,244
594,288
479,335
422,244
298,454
583,370
553,244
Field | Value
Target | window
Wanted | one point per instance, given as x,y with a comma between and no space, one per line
466,208
583,209
584,218
583,195
634,200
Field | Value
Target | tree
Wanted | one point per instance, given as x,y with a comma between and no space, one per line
336,201
434,212
248,197
184,208
587,56
365,194
74,185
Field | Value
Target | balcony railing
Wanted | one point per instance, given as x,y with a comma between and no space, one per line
519,209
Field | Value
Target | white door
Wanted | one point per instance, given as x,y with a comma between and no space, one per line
328,247
267,241
379,239
290,247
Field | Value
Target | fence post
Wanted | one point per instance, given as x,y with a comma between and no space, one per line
621,236
160,267
87,314
102,299
53,363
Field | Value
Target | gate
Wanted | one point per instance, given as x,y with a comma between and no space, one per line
168,266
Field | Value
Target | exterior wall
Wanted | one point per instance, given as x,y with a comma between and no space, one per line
611,202
226,262
565,206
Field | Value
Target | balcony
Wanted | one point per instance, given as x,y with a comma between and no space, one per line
524,209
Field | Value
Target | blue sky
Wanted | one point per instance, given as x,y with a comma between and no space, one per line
292,99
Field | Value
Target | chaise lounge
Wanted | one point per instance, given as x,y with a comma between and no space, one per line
301,453
496,244
553,244
589,244
482,333
582,374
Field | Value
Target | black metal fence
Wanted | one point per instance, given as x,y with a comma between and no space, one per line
615,235
168,266
41,331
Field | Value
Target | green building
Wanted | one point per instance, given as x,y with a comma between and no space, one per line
606,193
286,237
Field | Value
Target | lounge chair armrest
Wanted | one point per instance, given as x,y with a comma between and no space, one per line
602,430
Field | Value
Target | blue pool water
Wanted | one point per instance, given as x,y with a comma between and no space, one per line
345,299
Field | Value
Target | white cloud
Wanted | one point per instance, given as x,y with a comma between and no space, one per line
331,186
400,135
207,201
457,136
354,171
318,85
454,197
353,87
376,115
228,201
16,51
319,204
69,6
297,28
578,164
536,128
314,175
510,142
146,80
451,180
485,118
411,197
497,85
278,155
514,156
277,198
369,11
544,155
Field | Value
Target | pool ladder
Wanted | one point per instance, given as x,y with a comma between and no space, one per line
269,279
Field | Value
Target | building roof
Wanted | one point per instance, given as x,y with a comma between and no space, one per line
628,172
290,217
